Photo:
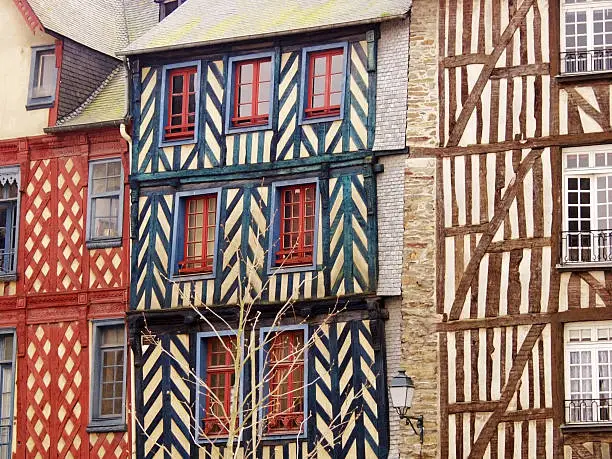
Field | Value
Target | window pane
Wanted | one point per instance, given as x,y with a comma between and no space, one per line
337,63
177,84
246,73
264,71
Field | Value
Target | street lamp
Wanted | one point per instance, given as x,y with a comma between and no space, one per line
402,391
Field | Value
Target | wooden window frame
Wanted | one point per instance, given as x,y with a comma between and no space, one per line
231,109
8,258
184,132
206,259
178,252
265,336
296,255
97,421
203,340
255,119
327,110
227,370
112,241
276,421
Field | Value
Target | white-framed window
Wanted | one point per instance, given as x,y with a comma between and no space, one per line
588,372
108,375
587,209
586,35
105,202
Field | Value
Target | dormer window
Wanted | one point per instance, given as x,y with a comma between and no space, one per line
43,75
167,7
586,41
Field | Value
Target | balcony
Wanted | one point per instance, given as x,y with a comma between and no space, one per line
588,411
597,60
586,247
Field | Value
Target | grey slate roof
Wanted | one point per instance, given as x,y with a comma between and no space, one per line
106,103
104,25
202,22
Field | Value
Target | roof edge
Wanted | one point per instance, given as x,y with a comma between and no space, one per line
83,127
29,15
160,49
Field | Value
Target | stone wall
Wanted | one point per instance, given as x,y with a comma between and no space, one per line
391,85
419,317
419,337
422,117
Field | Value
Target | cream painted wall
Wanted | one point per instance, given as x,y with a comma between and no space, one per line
15,56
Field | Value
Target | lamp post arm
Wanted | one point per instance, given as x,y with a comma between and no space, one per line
419,429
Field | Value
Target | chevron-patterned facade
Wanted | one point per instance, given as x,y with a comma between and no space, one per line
287,140
346,413
345,248
246,170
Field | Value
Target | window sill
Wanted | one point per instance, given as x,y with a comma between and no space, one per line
34,105
587,427
293,269
583,76
250,128
179,141
589,266
8,277
320,119
106,426
104,243
191,277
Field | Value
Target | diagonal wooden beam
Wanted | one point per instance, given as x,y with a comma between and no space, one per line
490,427
598,117
487,237
485,74
599,288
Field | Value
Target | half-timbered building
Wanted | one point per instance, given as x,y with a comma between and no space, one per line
522,170
64,274
259,142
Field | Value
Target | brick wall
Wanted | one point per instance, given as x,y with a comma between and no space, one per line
390,191
391,85
393,343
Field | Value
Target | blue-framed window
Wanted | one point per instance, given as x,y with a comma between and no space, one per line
195,238
324,74
7,384
283,363
105,203
108,376
216,384
295,222
43,78
9,221
180,103
250,93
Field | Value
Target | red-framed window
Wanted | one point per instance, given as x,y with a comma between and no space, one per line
220,379
181,103
325,82
200,229
252,85
297,224
286,386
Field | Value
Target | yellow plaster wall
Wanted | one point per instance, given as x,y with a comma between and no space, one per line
15,56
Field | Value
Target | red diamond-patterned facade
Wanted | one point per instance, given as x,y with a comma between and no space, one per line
60,287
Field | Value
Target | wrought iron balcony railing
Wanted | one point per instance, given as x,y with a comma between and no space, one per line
595,60
588,410
586,246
